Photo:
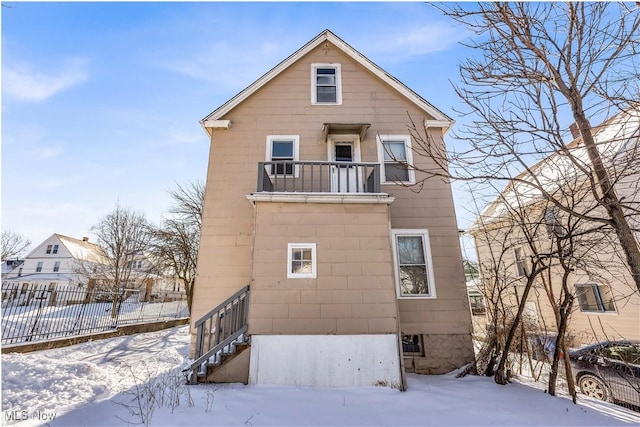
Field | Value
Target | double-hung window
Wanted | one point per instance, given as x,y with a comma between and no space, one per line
49,248
595,298
412,257
56,266
55,249
283,149
301,261
395,157
552,222
326,87
39,267
520,262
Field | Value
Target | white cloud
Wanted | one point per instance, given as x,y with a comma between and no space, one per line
22,82
47,152
408,42
52,183
228,64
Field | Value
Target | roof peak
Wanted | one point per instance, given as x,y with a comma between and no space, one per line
327,35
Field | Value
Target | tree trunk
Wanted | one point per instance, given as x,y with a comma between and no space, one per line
501,376
568,372
610,199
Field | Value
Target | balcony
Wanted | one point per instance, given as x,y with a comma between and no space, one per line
318,177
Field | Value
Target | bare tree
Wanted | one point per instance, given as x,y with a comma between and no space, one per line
13,244
122,235
176,241
558,244
539,64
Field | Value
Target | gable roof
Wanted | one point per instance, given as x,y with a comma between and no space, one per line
616,135
82,249
440,119
79,249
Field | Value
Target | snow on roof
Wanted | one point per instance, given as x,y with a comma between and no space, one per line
82,249
616,135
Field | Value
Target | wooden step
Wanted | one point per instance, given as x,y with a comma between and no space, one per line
225,358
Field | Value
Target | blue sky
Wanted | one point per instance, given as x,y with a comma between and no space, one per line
101,101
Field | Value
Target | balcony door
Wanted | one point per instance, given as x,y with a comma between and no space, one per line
345,176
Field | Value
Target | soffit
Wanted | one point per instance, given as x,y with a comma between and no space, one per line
345,128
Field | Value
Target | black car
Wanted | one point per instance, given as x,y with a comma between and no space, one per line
609,371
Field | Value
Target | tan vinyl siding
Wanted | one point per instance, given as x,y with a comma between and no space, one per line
361,296
357,272
583,328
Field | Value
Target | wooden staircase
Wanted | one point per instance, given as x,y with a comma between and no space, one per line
221,336
224,359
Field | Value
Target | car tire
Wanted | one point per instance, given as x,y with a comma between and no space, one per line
593,386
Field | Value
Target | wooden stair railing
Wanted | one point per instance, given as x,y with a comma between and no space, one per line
220,329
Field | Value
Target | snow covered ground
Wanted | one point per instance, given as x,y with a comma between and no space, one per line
111,382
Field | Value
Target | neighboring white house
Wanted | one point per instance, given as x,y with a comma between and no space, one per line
65,264
53,265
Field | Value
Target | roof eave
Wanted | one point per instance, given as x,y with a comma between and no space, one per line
327,35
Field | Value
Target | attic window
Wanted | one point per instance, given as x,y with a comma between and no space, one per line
326,84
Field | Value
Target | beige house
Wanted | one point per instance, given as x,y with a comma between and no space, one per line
606,300
353,277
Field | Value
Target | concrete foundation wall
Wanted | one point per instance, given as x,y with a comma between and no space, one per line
442,353
325,360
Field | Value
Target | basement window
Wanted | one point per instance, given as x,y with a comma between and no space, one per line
412,345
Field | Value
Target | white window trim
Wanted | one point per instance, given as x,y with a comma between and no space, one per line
333,139
597,285
408,151
296,151
515,261
314,270
426,246
338,68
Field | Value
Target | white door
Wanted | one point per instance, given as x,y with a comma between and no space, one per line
345,177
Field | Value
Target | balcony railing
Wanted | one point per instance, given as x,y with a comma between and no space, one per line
318,177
